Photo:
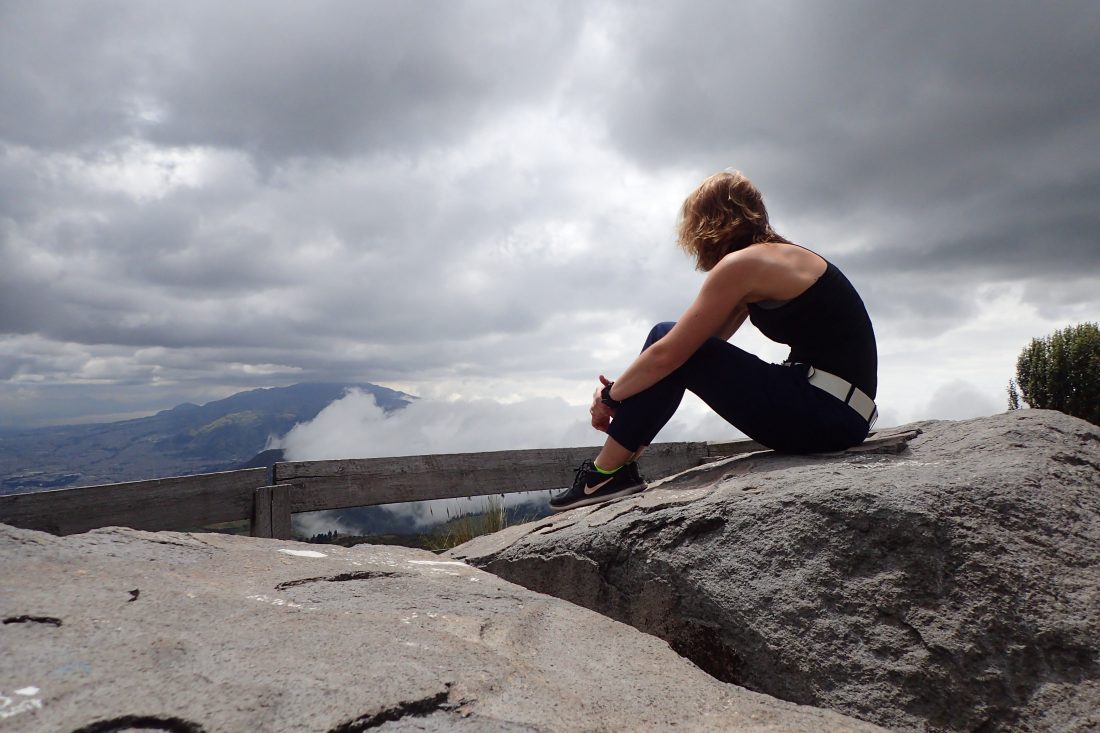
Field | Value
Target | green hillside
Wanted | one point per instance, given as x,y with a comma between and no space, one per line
186,439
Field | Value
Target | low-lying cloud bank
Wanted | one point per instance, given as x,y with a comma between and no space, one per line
356,427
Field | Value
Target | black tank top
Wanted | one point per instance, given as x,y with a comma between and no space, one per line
826,326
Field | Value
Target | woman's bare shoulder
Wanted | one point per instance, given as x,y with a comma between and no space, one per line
791,257
776,270
741,263
773,254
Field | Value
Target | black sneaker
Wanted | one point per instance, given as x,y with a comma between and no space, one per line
634,474
592,487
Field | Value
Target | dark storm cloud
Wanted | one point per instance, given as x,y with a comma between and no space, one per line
278,79
208,197
970,125
335,272
1054,224
342,77
71,72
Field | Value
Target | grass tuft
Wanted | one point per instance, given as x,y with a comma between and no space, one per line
466,527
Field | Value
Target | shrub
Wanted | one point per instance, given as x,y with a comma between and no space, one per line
1061,372
466,527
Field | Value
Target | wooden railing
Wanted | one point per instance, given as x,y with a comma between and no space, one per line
266,498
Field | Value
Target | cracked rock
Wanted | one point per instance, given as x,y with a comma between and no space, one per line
240,634
952,587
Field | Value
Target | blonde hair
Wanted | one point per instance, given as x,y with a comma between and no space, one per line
724,214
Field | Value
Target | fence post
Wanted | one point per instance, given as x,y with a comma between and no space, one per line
280,511
260,525
271,512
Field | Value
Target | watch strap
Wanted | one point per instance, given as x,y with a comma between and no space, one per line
607,399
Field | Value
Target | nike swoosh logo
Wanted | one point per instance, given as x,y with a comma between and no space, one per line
589,490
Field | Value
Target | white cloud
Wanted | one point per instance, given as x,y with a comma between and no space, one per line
356,427
960,400
307,524
478,201
922,375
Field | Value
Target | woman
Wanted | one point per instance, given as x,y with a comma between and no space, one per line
820,399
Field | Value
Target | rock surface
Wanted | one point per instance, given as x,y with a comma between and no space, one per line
118,630
952,587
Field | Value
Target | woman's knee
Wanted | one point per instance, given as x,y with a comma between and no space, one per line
657,333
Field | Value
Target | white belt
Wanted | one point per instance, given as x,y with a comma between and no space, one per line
844,391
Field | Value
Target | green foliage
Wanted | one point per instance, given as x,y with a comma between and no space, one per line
439,537
1013,396
1061,372
466,527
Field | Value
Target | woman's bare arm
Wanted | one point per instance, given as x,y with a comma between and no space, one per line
736,319
716,309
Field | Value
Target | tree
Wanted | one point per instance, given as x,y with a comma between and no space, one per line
1061,372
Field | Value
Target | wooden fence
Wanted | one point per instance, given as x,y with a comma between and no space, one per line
267,497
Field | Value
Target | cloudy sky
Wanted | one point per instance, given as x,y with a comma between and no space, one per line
476,201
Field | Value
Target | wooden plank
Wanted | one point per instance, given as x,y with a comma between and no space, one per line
194,501
260,524
883,439
885,442
159,504
280,511
725,449
362,482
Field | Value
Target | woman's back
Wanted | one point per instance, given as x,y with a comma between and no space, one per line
826,326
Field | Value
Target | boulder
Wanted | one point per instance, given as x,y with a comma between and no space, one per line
119,630
954,586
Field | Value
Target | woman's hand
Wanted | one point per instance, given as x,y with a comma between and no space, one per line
601,413
719,308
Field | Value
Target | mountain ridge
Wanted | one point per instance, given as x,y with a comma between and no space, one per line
185,439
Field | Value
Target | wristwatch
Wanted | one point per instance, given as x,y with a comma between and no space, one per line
607,399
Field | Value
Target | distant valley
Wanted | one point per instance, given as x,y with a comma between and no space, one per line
186,439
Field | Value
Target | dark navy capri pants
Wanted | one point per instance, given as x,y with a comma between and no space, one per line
771,403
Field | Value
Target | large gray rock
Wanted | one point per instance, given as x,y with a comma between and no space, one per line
955,586
122,630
